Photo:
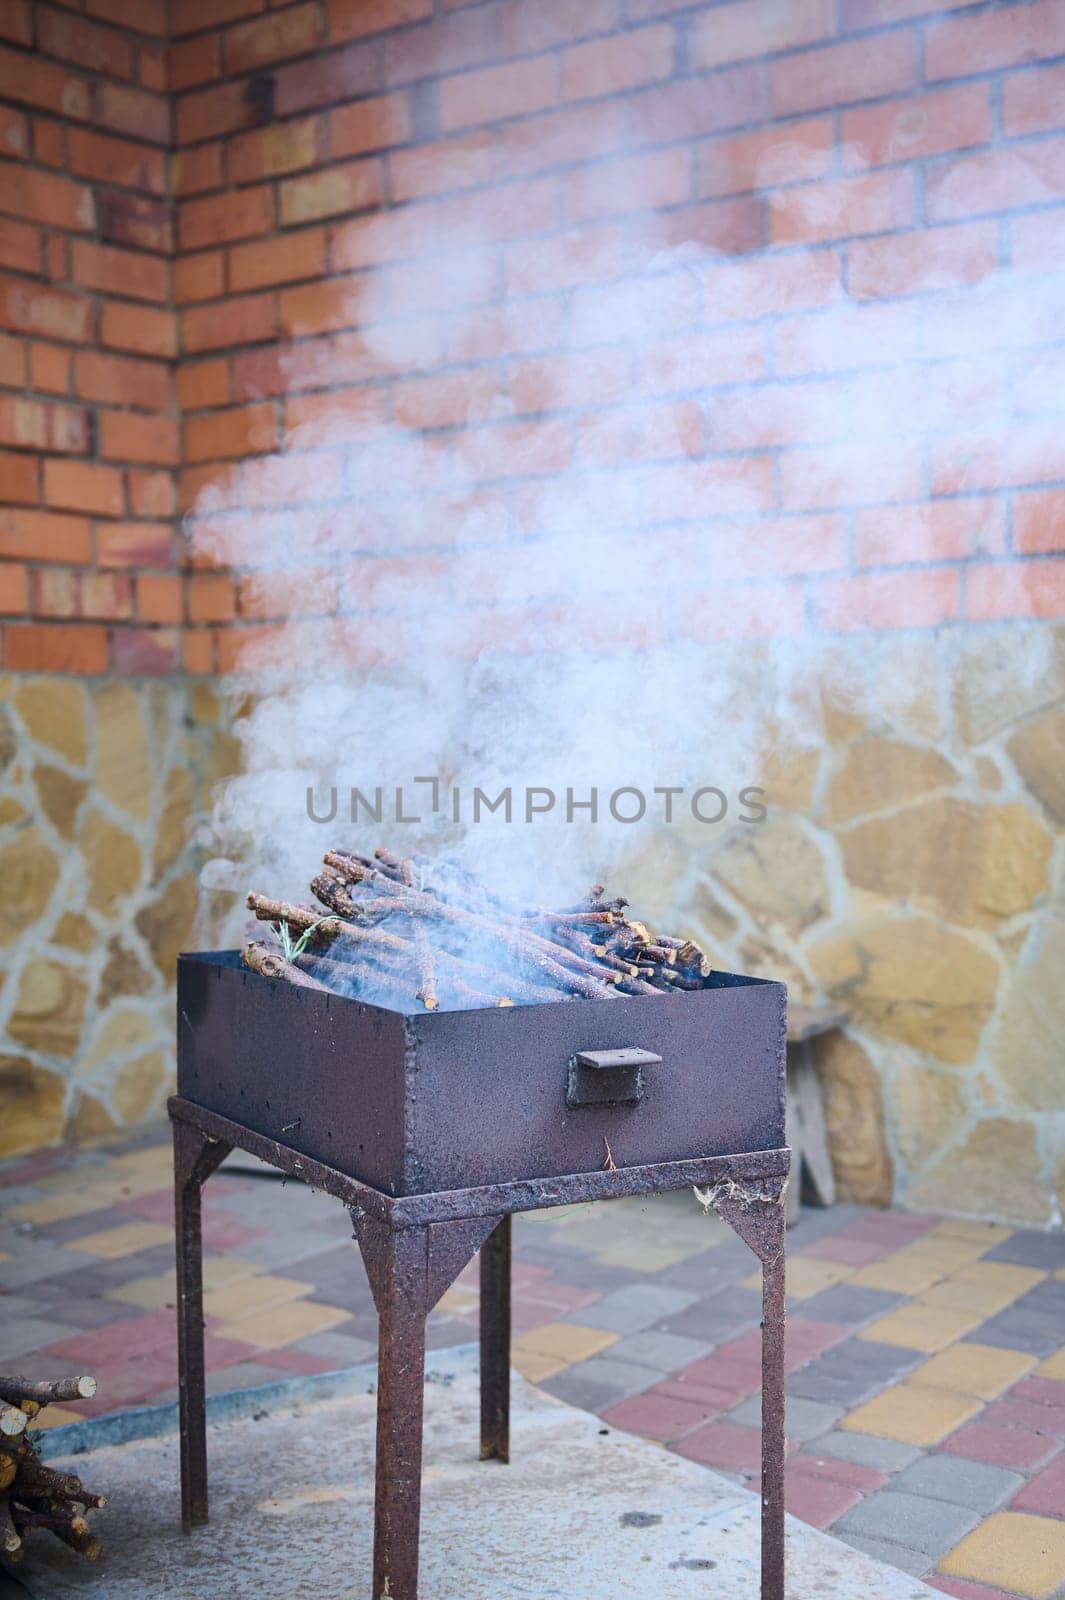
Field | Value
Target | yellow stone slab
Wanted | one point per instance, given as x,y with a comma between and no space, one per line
458,1299
957,1295
279,1325
566,1341
111,1243
535,1367
949,1252
161,1288
55,1416
156,1161
1000,1277
921,1327
900,1273
644,1258
986,1233
807,1275
236,1300
911,1415
1014,1551
58,1207
1054,1366
973,1369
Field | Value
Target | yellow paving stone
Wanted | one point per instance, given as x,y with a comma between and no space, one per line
235,1301
111,1243
1000,1277
1054,1366
973,1369
55,1416
535,1367
921,1327
900,1273
960,1295
156,1160
807,1275
56,1208
948,1252
277,1325
911,1415
161,1288
458,1299
566,1341
1012,1550
643,1258
986,1233
4,1255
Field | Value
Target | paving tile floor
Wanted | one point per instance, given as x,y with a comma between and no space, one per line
926,1355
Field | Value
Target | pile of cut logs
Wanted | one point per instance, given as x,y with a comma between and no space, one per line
395,928
31,1494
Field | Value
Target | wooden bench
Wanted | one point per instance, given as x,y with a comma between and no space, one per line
811,1162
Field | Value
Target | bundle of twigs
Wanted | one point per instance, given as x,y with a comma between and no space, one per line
393,928
31,1494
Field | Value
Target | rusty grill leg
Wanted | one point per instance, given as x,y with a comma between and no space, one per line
495,1344
397,1265
756,1211
195,1158
773,1436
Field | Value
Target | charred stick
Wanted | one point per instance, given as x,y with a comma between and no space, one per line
274,964
17,1389
296,917
13,1421
38,1481
9,1536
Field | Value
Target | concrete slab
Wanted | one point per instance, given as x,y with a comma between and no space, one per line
583,1512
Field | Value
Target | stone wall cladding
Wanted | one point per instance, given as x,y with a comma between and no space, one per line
911,871
187,205
100,785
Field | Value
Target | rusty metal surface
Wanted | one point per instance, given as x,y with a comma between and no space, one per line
495,1344
400,1280
494,1200
195,1157
413,1104
433,1129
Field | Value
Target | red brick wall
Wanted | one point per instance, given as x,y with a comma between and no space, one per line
89,432
846,164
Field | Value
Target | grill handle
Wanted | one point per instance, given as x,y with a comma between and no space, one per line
608,1077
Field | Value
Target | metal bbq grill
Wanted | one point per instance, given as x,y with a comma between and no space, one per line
434,1128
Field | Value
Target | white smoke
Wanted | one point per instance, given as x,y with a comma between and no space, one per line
545,530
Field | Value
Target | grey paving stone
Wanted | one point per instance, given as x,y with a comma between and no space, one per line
1048,1296
707,1273
820,1222
915,1562
653,1348
1027,1248
633,1308
42,1260
964,1483
718,1318
338,1347
852,1371
243,1375
23,1335
846,1303
620,1378
865,1450
914,1521
804,1419
1035,1332
576,1390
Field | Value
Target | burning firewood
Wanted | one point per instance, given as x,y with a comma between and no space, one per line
33,1495
396,928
